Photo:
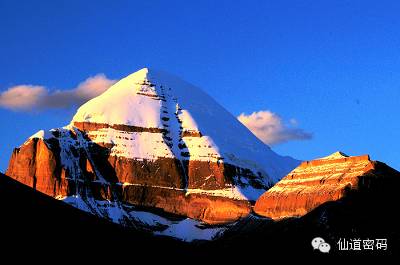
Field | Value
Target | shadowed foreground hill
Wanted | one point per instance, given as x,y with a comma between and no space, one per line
32,222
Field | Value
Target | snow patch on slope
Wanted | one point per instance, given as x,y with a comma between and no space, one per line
188,122
149,218
134,145
336,155
190,230
234,192
186,230
42,134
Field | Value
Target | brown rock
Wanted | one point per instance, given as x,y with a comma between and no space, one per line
166,172
160,183
311,184
89,126
210,209
36,164
207,175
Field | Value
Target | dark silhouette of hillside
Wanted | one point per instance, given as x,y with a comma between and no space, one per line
35,225
39,227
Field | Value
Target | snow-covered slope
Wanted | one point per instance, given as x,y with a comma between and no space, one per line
154,99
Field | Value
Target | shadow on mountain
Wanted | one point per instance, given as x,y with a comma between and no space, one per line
368,212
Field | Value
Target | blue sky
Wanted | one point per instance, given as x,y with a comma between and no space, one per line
331,65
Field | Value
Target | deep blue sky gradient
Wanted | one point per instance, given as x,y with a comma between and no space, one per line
331,65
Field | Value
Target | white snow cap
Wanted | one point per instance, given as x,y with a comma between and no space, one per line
121,104
335,155
42,134
147,98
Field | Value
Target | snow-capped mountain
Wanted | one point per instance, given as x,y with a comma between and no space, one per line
152,143
179,121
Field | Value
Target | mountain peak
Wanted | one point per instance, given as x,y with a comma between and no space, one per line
140,73
335,155
137,99
130,101
152,100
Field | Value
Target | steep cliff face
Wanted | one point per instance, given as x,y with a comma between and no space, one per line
313,183
151,140
37,164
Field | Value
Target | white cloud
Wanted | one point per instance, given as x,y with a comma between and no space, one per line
22,97
271,129
94,86
36,98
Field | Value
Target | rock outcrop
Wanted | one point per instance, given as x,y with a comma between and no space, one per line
37,164
312,184
153,141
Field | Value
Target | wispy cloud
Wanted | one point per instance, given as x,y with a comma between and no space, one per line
271,129
36,98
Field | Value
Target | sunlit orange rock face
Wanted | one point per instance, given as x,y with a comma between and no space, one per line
209,209
37,165
156,184
311,184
